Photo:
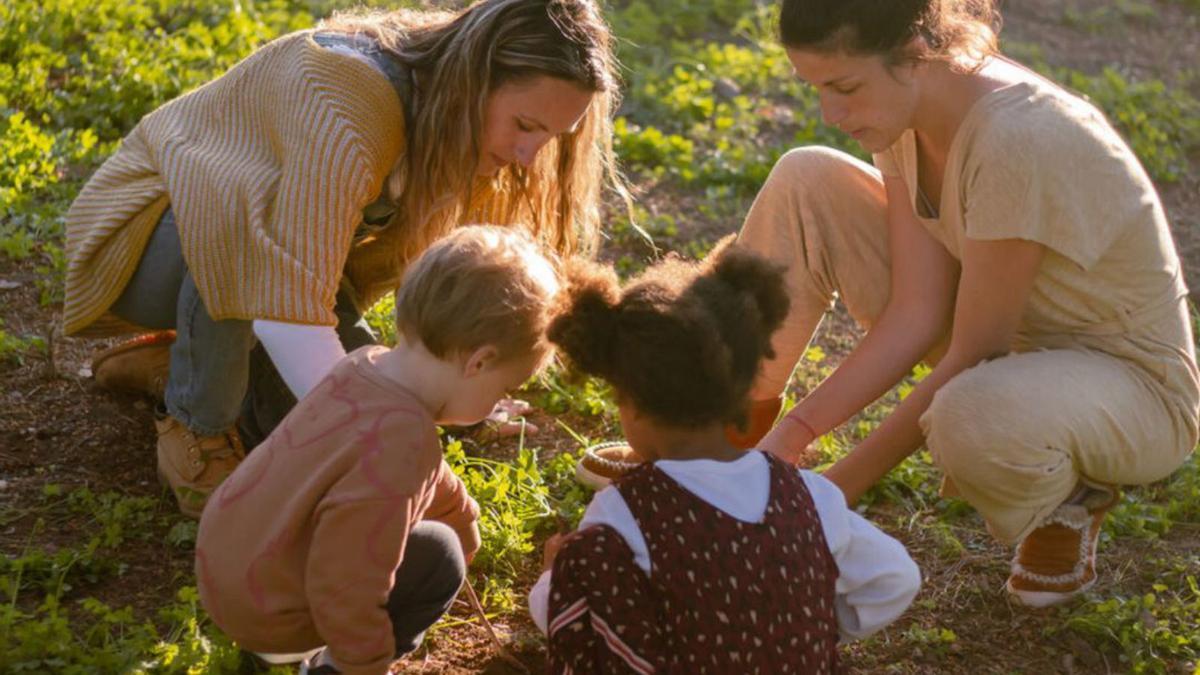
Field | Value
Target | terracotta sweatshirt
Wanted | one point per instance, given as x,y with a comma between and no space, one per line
297,548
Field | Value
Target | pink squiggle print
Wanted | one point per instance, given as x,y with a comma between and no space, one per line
207,581
339,385
242,481
346,640
384,558
273,548
373,446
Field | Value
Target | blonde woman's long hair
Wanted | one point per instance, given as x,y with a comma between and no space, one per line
458,60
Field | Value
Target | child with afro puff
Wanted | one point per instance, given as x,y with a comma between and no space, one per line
706,558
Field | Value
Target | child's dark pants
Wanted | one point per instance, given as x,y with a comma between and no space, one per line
426,582
425,586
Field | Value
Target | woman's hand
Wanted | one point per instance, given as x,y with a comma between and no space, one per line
789,440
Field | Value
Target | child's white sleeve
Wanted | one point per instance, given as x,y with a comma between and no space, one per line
877,580
302,354
607,508
539,601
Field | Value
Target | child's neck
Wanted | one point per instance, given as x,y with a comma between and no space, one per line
411,366
686,444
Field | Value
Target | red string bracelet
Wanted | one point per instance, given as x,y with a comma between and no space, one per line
793,417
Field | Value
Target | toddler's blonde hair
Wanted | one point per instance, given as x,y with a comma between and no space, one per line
479,285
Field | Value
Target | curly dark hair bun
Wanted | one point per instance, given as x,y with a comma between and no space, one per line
756,286
684,340
584,327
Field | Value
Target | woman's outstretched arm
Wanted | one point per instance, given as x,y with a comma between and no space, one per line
916,318
997,278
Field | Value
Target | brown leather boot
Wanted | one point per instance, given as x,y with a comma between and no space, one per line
193,466
140,365
759,420
1057,561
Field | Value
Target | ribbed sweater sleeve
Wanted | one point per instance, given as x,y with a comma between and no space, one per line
267,168
328,153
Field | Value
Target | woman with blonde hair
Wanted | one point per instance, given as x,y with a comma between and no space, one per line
278,202
1005,233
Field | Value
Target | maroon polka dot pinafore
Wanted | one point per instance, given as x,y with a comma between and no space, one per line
723,596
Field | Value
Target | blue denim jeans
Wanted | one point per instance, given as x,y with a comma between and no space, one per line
220,375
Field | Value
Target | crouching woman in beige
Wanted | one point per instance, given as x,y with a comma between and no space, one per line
1005,233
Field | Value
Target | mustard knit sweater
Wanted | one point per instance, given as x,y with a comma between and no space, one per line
267,168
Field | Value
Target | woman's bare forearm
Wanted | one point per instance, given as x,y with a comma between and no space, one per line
896,438
990,302
917,316
885,355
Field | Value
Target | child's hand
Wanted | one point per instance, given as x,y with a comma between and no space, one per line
471,541
550,551
506,417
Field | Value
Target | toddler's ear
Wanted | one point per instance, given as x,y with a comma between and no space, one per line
480,360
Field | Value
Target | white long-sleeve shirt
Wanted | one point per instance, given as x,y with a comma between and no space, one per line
877,580
302,354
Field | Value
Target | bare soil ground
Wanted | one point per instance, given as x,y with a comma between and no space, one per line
57,427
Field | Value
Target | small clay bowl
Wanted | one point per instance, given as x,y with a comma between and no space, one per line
603,463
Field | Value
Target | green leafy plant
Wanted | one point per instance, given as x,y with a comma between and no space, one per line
517,501
1161,124
382,319
1151,628
710,104
44,628
14,349
564,392
1151,512
1110,16
938,640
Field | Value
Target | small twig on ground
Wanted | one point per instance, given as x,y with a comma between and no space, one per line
505,655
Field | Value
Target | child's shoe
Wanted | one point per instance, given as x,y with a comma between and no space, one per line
1057,561
604,463
255,663
193,466
140,365
317,664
